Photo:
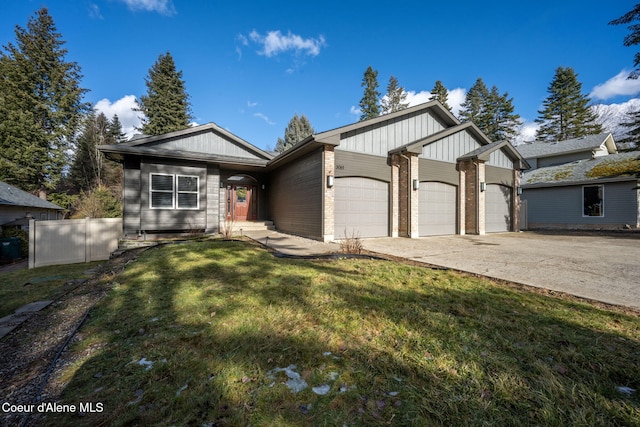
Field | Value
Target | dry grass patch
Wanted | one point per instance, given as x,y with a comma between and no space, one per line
222,333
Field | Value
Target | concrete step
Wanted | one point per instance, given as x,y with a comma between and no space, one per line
252,226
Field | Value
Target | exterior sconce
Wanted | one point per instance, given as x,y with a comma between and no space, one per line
416,184
263,186
519,191
483,186
330,180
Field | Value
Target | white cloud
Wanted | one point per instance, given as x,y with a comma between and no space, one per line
355,111
274,43
251,104
455,98
617,85
527,132
94,11
163,7
263,117
415,98
123,107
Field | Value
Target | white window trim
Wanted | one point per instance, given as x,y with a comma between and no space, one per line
197,192
602,198
174,192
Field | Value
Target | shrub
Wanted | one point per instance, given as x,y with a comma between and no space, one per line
351,244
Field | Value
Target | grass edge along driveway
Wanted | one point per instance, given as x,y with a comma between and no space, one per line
223,333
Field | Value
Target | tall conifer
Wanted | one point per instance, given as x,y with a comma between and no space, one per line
440,93
298,129
369,103
166,106
395,99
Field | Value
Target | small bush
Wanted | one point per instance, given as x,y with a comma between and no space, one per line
351,244
227,230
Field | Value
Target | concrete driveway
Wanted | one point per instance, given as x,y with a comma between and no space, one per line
599,267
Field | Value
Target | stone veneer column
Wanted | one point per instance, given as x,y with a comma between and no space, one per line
394,208
461,199
515,205
468,172
480,207
414,208
328,201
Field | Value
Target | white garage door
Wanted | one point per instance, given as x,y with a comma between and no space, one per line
497,208
361,207
438,208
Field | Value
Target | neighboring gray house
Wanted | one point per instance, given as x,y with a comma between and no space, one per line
594,188
541,154
412,173
17,207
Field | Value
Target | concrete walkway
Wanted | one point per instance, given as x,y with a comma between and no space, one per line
10,322
598,267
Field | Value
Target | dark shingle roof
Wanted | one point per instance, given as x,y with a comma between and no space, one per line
13,196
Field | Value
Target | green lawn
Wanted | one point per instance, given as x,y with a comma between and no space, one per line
25,286
223,333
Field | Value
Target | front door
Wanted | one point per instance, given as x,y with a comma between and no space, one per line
241,205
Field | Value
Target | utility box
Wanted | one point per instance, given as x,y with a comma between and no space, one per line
10,248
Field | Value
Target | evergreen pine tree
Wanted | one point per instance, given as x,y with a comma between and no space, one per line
566,114
475,104
633,38
297,130
501,122
40,106
166,105
395,99
369,102
440,93
115,130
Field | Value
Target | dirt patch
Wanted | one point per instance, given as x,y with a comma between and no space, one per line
28,352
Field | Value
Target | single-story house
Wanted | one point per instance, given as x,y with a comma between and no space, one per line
540,154
416,172
602,192
17,207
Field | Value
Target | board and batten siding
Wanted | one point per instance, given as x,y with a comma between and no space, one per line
296,196
208,143
556,206
172,219
357,164
450,148
380,138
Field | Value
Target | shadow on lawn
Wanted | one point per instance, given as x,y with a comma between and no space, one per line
455,355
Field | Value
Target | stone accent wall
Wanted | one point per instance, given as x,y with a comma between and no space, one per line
394,209
480,207
473,197
328,164
515,205
462,199
414,207
406,214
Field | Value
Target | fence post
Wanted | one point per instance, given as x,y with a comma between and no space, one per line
32,243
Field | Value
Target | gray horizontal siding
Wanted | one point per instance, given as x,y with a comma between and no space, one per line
172,219
563,205
131,197
497,175
364,165
384,136
208,143
11,213
296,196
434,170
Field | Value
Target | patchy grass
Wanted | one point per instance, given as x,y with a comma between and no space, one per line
615,168
223,333
21,287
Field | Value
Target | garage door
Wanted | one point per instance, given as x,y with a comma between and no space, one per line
497,208
438,208
361,207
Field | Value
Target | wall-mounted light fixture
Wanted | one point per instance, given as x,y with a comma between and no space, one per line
416,184
483,186
263,186
330,181
519,191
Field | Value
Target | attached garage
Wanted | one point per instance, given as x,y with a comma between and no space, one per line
438,208
361,207
497,208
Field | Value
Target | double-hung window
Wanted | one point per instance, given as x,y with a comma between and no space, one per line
169,191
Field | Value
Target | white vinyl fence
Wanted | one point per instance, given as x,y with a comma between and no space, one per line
72,241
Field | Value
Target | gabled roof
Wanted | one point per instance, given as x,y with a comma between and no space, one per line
13,196
484,152
615,167
148,145
333,136
585,143
416,146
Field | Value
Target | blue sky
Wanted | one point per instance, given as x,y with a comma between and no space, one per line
250,66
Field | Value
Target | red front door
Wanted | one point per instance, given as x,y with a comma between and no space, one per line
241,205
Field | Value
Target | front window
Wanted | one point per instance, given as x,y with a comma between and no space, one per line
173,192
593,200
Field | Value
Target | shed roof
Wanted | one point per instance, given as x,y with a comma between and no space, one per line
13,196
615,167
585,143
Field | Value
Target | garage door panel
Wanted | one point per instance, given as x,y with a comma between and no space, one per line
361,207
438,208
497,208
